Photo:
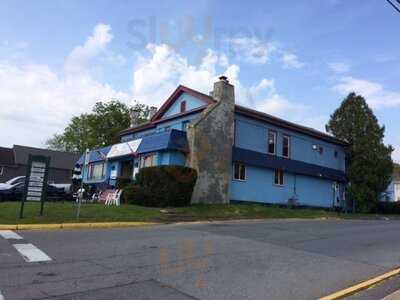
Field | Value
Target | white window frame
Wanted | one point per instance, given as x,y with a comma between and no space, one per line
277,171
143,158
285,136
91,169
275,134
240,165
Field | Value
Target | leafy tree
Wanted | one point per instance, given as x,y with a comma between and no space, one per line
369,164
98,128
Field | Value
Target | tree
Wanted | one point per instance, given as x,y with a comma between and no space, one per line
97,129
369,164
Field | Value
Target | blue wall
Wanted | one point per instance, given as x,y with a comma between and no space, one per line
252,134
259,187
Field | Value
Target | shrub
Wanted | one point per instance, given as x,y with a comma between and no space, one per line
162,186
387,208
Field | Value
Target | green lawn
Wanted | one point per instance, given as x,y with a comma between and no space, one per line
66,213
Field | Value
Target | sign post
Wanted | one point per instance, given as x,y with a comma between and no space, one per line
86,159
36,181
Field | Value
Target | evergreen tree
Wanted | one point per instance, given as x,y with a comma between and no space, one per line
369,164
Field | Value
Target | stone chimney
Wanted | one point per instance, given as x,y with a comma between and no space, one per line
210,139
134,118
152,111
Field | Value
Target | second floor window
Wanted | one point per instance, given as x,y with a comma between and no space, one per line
185,125
286,146
183,106
271,142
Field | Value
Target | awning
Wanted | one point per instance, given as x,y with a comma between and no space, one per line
173,140
122,149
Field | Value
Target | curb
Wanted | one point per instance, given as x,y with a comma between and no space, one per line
361,286
76,225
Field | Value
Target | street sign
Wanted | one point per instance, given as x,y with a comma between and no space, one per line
36,181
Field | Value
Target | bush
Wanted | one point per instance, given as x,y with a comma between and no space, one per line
162,186
387,208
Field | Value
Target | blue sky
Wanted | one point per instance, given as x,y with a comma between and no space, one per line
296,60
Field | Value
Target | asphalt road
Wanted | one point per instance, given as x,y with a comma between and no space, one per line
238,260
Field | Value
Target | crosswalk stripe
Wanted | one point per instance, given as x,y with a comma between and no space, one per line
31,253
8,234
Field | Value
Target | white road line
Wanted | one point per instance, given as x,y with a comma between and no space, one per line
31,253
8,234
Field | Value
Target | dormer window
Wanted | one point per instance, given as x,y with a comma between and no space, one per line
183,106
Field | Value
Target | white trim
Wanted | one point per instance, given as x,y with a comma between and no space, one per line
275,133
233,172
10,235
31,253
289,147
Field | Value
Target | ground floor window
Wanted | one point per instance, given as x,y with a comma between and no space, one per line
279,177
148,160
239,171
96,171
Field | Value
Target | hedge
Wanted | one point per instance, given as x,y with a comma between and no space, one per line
162,186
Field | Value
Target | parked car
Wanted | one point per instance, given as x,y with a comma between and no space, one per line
8,184
15,192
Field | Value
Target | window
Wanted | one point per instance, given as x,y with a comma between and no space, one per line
183,106
239,172
286,146
148,160
96,171
279,177
321,150
271,142
185,125
335,154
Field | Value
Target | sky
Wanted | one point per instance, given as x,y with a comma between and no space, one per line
292,59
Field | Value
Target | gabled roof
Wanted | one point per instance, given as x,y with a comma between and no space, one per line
58,159
248,112
175,95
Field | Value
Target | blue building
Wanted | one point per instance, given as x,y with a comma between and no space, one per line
239,153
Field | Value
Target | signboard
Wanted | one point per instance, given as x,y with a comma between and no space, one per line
122,149
36,181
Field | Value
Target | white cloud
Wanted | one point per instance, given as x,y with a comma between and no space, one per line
36,102
291,61
339,67
251,49
375,94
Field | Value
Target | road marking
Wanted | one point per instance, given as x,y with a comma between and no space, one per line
361,286
1,296
31,253
394,296
8,234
